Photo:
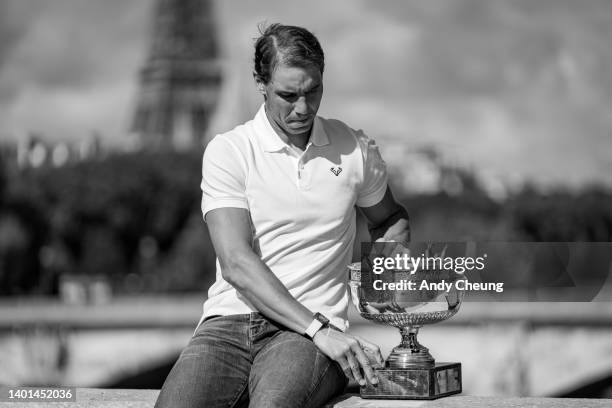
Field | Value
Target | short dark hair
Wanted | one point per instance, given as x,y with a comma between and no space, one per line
291,45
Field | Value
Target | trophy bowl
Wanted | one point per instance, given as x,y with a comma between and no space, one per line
410,371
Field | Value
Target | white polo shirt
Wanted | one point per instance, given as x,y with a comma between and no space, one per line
302,207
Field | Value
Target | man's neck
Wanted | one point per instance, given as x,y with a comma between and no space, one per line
298,141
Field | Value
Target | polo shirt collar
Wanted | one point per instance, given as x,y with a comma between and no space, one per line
271,142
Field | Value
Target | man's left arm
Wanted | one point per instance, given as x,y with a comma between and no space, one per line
388,220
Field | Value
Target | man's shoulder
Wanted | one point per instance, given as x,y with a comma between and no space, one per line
338,130
239,137
336,126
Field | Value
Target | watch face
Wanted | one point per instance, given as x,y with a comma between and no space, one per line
321,318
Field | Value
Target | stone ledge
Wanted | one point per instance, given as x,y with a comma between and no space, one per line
467,401
97,398
110,398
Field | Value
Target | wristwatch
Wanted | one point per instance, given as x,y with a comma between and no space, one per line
319,321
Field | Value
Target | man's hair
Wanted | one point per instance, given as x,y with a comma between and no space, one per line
291,45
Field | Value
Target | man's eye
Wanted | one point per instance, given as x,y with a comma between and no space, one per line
288,97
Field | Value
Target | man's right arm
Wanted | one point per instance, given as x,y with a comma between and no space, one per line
241,267
231,235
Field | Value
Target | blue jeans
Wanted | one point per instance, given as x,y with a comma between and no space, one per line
247,360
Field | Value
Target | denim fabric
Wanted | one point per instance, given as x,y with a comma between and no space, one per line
247,360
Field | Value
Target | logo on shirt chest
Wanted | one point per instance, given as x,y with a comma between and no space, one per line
336,170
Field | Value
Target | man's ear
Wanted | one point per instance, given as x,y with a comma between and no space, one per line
261,87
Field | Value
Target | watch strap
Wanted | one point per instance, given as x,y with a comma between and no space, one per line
321,318
318,322
314,327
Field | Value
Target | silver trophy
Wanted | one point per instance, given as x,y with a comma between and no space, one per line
410,371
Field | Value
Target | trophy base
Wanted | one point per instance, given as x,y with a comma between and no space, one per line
415,383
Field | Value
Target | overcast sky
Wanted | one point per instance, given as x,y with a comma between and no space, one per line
521,89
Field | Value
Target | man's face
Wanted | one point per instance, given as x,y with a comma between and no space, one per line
293,96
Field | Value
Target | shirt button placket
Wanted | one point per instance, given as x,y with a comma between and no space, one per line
302,177
296,161
300,170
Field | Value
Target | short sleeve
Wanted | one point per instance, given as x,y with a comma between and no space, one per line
223,176
374,183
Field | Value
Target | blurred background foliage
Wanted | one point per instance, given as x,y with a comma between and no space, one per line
132,217
135,218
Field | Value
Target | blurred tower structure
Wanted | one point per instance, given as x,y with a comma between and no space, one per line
180,81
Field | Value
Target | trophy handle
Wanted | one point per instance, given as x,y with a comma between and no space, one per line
410,353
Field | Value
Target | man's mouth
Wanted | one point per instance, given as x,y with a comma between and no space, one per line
300,122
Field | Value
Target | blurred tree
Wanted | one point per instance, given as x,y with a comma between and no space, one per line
128,196
189,265
22,233
14,240
2,180
99,211
102,253
460,211
564,216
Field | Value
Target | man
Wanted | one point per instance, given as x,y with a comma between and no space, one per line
279,197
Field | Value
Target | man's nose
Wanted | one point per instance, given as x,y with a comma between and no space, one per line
301,107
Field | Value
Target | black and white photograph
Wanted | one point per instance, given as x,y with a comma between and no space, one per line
303,204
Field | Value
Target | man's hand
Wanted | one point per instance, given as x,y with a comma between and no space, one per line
389,248
353,353
388,221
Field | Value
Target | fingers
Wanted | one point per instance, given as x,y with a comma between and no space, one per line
390,249
346,369
347,351
355,370
372,351
383,247
364,362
